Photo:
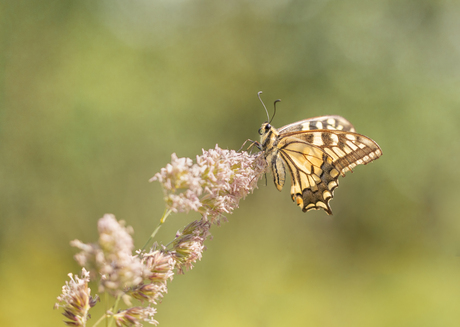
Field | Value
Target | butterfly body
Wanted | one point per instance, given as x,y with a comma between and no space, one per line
314,152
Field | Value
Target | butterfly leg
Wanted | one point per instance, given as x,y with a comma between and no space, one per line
257,144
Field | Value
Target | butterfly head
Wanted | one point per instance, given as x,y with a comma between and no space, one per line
268,135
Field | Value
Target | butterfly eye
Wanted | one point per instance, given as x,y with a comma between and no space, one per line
265,128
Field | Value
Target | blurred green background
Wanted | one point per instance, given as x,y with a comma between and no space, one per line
95,96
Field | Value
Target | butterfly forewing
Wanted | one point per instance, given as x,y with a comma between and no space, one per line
346,149
323,122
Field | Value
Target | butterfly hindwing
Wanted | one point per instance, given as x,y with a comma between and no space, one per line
313,177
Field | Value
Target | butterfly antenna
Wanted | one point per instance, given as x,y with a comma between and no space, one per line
274,113
258,95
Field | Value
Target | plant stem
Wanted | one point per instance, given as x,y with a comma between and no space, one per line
106,308
114,310
100,319
162,220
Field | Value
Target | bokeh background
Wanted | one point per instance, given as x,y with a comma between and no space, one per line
95,96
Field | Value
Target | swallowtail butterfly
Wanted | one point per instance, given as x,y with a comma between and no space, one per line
314,152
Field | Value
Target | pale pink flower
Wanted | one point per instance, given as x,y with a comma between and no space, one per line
111,257
159,268
214,185
76,299
159,265
135,316
188,246
152,293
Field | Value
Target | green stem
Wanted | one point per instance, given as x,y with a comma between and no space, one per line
106,301
100,319
106,308
162,220
114,310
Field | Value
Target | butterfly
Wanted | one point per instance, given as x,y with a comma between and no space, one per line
314,152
